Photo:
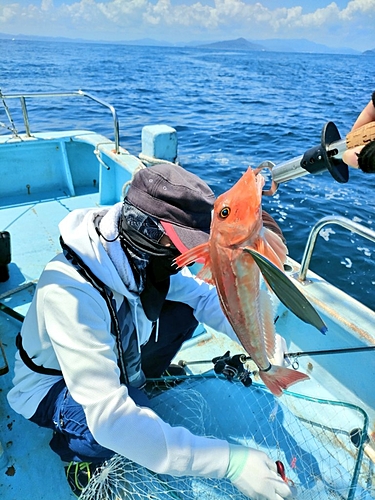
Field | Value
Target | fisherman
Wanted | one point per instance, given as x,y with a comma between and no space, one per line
363,157
112,310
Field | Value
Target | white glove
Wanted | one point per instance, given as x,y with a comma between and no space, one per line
254,474
280,349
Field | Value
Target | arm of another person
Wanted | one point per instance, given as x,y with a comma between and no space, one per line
363,157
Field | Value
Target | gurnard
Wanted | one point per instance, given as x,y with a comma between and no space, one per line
239,247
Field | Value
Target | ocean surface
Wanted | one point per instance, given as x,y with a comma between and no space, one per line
231,110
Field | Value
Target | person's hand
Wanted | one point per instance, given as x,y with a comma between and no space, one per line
363,157
254,474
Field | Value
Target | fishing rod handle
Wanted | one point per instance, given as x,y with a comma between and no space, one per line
361,136
326,156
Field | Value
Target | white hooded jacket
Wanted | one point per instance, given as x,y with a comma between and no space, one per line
68,328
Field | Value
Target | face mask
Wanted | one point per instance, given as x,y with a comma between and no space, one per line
161,268
142,231
156,286
158,272
140,235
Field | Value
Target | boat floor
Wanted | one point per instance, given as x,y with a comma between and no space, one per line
29,469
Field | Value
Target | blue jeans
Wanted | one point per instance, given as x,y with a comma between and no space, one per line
72,439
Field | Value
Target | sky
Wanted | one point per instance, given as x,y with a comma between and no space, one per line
336,24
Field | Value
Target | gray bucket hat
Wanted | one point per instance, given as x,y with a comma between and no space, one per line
179,199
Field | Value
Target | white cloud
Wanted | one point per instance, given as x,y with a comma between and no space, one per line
5,14
225,19
295,18
46,5
183,15
358,7
8,12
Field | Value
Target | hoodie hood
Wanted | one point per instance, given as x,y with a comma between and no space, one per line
78,231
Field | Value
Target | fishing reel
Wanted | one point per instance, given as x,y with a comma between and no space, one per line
232,367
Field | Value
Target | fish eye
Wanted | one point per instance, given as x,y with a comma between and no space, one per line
224,212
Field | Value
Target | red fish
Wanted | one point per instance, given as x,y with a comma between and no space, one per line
232,257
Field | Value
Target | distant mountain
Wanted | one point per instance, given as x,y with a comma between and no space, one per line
275,44
369,52
37,38
302,45
150,42
238,44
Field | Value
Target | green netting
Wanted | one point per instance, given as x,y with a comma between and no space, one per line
320,442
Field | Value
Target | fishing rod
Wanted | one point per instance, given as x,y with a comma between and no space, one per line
243,357
326,156
344,350
233,366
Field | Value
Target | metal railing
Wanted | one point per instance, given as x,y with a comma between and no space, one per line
78,93
338,220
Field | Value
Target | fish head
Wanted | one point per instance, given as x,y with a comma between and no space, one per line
237,214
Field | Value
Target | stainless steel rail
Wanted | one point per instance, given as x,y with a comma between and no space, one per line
78,93
338,220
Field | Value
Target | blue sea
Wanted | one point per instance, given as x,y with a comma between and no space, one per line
231,110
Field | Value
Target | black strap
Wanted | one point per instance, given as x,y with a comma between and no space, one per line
107,295
30,363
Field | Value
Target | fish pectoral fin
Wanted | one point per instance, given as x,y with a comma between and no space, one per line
200,253
268,323
277,247
287,292
205,274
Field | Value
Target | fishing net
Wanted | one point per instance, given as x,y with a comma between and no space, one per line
321,443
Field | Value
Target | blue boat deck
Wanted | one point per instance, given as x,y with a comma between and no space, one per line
29,469
34,233
44,177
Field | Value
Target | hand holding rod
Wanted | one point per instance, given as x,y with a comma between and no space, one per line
326,156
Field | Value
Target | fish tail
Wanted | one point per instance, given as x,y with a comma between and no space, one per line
279,378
